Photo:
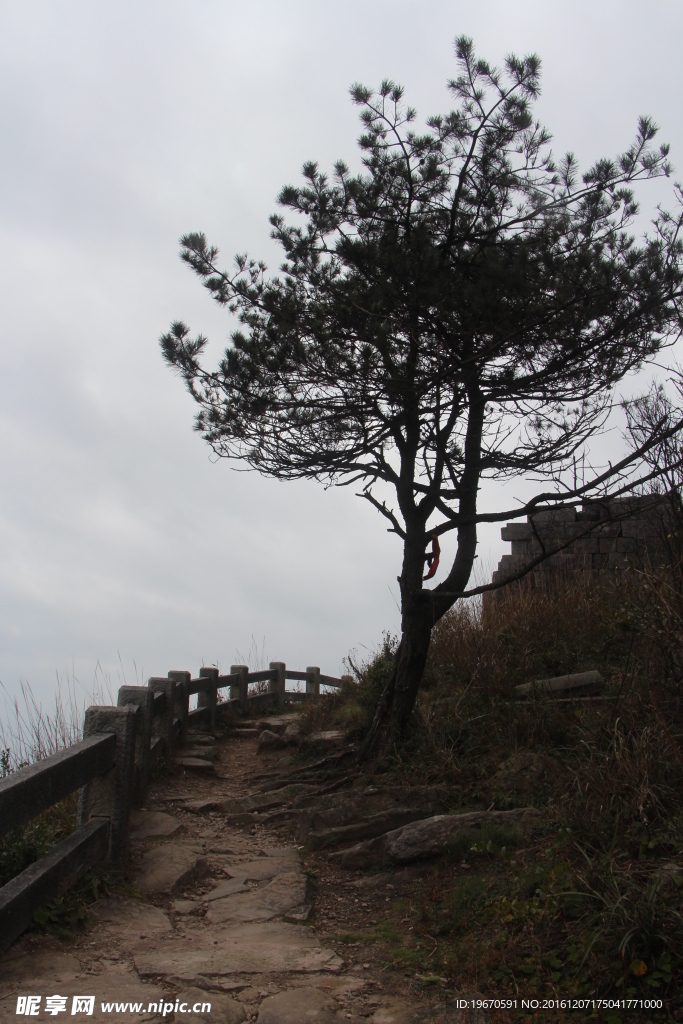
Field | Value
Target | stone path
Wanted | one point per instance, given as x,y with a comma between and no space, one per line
221,909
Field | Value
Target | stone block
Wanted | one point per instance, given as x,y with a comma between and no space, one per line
553,515
607,545
608,530
587,546
517,531
600,561
521,549
639,527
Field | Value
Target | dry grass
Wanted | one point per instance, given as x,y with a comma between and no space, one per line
589,904
29,733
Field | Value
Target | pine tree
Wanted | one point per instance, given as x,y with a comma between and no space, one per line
461,309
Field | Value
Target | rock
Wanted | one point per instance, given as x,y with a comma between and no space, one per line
301,913
196,764
291,733
327,738
224,1009
576,684
129,921
227,888
428,838
203,806
375,825
276,724
269,740
262,868
264,948
169,867
298,1006
145,824
205,752
338,809
282,893
185,907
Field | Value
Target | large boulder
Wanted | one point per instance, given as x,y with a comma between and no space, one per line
429,837
337,810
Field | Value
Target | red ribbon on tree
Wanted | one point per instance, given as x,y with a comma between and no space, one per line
432,558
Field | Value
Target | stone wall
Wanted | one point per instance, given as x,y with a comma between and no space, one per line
606,538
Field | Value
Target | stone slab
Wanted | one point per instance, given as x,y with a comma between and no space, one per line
282,893
577,682
298,1006
196,764
259,802
224,1009
128,921
48,973
267,948
146,824
169,867
203,806
206,753
329,737
184,907
261,868
227,888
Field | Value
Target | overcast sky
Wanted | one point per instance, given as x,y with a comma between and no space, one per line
126,124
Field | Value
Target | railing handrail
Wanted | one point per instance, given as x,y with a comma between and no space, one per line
30,790
110,766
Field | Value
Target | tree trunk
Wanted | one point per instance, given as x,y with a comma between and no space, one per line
411,658
422,609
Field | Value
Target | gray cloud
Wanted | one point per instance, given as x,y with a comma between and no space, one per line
124,125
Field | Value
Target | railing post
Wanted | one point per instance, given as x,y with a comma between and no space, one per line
241,690
168,687
313,681
141,697
182,701
277,685
110,795
208,699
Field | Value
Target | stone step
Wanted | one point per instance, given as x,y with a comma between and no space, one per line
196,764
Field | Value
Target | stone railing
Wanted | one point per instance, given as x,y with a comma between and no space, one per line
111,765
